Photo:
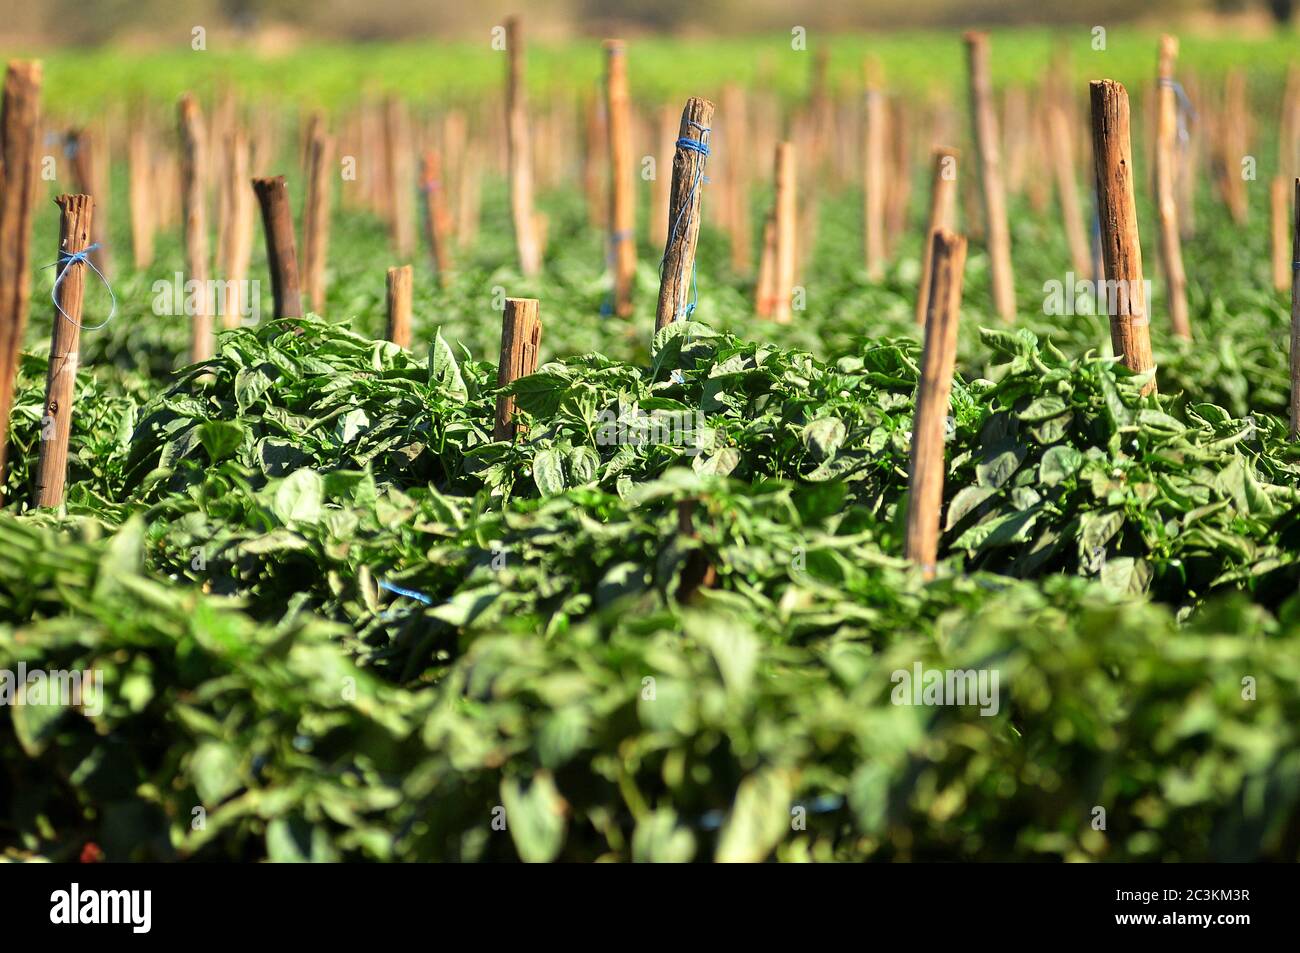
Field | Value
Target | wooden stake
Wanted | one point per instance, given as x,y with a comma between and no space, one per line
1295,314
925,481
985,127
873,183
316,215
468,202
684,213
20,129
521,339
400,178
735,110
142,185
763,297
943,202
1166,163
521,172
75,222
437,220
785,213
592,163
622,181
239,229
1067,190
82,147
1233,136
281,256
1281,196
194,195
1130,323
401,283
898,175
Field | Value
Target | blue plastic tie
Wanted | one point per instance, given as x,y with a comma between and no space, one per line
66,260
409,593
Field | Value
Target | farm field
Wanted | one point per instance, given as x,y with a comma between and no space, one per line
672,611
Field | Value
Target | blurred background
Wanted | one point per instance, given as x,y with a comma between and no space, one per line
285,22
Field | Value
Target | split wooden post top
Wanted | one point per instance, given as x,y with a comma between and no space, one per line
689,159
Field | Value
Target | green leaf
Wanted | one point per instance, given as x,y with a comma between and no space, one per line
660,839
535,817
824,436
1059,463
548,472
220,438
298,498
444,372
214,768
759,818
252,382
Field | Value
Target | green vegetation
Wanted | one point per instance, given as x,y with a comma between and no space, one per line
337,620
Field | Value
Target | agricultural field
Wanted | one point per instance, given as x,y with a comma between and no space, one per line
683,564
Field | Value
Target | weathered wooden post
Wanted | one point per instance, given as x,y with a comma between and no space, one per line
437,220
622,169
783,260
873,178
521,339
1130,322
20,129
397,138
1060,142
1280,194
925,481
281,255
75,223
985,126
1166,162
1295,315
401,286
194,185
943,206
519,156
89,163
239,229
736,111
316,214
684,212
141,186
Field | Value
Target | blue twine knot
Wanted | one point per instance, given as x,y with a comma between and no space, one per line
65,261
701,147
